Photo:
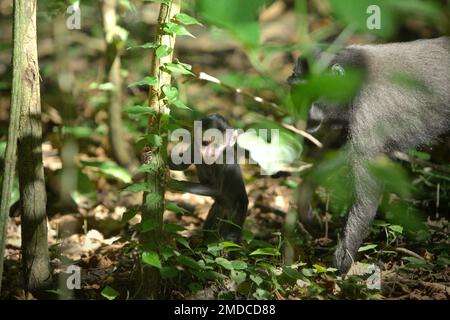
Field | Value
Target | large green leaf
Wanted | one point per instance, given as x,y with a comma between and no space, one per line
236,16
108,168
151,258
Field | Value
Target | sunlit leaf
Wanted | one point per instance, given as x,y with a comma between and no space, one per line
175,28
266,252
137,109
367,247
163,51
178,68
224,263
186,19
149,81
109,293
175,208
151,258
109,168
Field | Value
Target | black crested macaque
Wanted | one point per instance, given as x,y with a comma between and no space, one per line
219,176
385,116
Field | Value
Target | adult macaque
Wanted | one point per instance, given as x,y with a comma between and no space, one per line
212,150
385,116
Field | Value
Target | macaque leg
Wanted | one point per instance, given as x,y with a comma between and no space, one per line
231,230
360,217
212,220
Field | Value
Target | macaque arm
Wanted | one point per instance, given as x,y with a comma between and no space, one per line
177,167
193,187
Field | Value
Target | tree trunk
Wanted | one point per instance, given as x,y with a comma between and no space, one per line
153,207
26,96
119,147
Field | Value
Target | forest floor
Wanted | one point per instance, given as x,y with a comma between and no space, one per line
91,239
91,234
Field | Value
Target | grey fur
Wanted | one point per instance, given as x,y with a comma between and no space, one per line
387,116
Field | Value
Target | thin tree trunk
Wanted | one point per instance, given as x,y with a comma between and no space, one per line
119,148
153,207
13,129
26,96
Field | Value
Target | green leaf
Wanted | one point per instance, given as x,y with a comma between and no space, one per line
227,244
175,208
168,272
149,81
186,19
238,265
319,268
170,227
163,51
180,105
256,279
148,45
109,168
265,252
137,187
224,263
415,262
78,132
261,294
176,29
308,272
292,273
367,247
238,276
109,293
170,92
137,109
182,240
396,228
166,252
178,68
188,262
151,258
154,140
238,17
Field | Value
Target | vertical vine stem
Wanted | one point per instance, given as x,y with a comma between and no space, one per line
155,155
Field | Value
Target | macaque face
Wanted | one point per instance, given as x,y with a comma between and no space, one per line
320,111
215,143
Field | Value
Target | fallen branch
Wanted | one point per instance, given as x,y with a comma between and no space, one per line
410,253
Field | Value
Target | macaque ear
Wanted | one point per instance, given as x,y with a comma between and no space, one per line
301,66
301,69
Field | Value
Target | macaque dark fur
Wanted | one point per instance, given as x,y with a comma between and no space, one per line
385,117
224,183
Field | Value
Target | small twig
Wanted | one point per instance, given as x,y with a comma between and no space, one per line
304,134
206,77
404,157
410,253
